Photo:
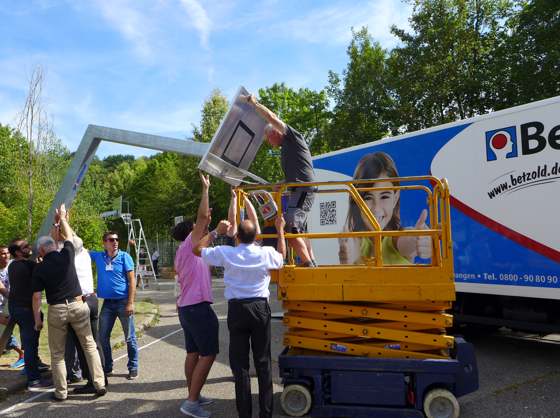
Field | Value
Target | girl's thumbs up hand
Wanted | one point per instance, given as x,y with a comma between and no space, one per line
423,243
421,222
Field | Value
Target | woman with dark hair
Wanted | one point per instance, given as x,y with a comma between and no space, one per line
385,207
197,318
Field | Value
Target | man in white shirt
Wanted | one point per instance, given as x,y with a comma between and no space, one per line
246,279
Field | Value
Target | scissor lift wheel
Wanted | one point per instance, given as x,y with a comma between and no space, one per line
296,400
440,403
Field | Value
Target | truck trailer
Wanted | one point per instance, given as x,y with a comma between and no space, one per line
503,170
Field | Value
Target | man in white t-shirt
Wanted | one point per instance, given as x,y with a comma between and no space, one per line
246,277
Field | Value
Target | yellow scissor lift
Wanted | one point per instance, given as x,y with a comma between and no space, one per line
372,309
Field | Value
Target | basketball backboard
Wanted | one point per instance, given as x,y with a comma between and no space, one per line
236,142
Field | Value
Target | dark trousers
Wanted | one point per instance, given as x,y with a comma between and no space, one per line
155,264
93,304
249,327
73,368
29,339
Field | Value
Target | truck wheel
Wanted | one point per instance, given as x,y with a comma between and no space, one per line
295,400
440,403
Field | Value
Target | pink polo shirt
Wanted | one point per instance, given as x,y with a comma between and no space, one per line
193,276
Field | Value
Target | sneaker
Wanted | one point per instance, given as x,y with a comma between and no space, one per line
101,392
203,400
18,363
74,379
193,409
132,374
56,398
84,389
39,385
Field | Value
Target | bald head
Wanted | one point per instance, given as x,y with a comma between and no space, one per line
246,232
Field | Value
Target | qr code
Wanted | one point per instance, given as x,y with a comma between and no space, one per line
328,213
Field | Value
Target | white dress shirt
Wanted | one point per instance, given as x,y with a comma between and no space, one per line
246,268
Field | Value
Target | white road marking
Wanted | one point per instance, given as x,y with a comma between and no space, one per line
39,395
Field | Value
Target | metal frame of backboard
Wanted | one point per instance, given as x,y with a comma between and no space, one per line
229,141
86,151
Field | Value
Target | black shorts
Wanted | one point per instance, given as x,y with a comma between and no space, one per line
299,206
200,326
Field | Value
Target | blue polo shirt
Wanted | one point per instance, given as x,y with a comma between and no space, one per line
112,280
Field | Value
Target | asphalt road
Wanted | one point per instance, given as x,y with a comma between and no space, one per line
517,378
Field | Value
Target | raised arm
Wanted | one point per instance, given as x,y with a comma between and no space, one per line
280,223
252,214
65,229
207,239
203,215
266,113
232,215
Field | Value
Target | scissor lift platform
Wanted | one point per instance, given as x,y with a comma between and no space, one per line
324,385
369,339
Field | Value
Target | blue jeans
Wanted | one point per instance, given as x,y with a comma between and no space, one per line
29,340
111,310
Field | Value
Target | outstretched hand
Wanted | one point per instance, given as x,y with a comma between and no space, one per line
205,180
251,99
60,213
280,223
222,227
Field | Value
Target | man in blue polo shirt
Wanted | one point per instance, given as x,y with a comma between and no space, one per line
116,284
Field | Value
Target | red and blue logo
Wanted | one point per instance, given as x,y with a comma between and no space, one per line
501,144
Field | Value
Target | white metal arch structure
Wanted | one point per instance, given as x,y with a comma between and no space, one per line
86,151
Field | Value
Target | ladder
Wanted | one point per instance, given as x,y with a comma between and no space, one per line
143,266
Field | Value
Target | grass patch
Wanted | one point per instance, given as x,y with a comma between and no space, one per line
143,309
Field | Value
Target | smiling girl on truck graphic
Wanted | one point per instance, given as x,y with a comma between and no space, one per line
385,207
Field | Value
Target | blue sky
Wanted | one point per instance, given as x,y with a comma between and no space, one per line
148,65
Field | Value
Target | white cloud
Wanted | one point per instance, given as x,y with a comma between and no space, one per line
199,20
133,24
333,24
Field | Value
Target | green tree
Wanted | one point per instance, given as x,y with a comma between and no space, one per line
213,111
529,56
444,69
304,109
112,161
361,96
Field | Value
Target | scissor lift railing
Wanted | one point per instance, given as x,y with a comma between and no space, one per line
372,309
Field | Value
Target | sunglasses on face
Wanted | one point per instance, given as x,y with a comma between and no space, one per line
112,240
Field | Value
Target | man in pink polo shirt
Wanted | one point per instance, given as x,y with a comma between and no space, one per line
198,319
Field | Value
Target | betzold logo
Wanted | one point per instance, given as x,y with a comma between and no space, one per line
501,143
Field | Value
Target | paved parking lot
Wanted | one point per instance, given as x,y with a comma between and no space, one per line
517,378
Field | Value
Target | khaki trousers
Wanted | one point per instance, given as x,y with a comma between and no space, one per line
75,314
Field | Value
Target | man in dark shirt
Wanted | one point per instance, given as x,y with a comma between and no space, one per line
56,275
20,308
297,166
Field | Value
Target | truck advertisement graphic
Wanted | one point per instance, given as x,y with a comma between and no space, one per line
504,174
